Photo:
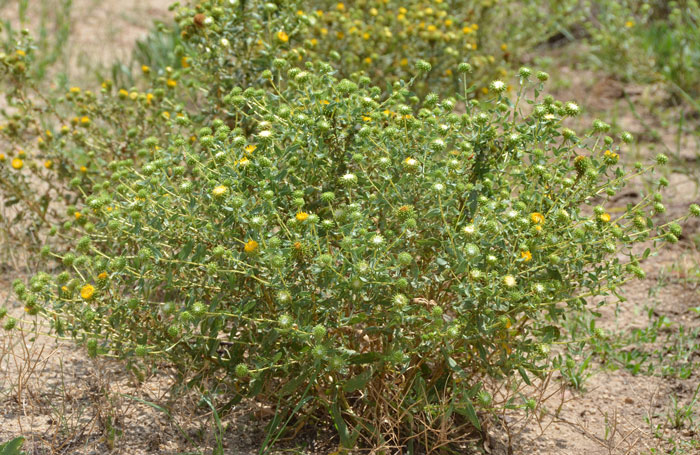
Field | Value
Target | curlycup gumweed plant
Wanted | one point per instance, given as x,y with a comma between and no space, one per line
229,43
362,258
58,147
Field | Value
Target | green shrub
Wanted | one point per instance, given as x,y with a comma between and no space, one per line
65,141
232,43
348,255
56,147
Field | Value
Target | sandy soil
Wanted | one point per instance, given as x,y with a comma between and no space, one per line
101,31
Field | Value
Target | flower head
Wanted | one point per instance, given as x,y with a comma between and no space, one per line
251,246
302,216
17,163
509,281
87,291
282,36
525,256
219,191
498,86
537,218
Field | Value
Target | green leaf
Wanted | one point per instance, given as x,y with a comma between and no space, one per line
293,385
469,412
186,250
369,357
357,382
347,439
523,373
12,447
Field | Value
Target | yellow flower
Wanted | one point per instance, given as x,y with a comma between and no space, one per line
149,98
340,35
87,291
48,164
537,218
145,69
605,217
340,6
219,191
85,120
302,216
77,215
448,23
102,276
2,157
185,62
366,118
250,148
171,83
243,162
629,24
75,89
83,169
324,102
314,41
123,93
250,246
526,256
324,31
282,36
368,60
403,62
504,47
17,163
